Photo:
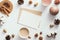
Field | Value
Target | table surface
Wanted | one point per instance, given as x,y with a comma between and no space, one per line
46,19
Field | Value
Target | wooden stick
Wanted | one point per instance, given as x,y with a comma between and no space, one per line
5,0
39,13
6,12
6,8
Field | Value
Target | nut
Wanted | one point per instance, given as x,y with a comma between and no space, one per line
35,4
56,2
30,2
4,31
40,38
29,37
40,33
36,35
13,35
51,25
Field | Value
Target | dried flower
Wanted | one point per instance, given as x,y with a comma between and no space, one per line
52,35
8,37
56,21
20,2
48,36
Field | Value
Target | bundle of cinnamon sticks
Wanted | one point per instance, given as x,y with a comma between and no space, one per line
4,8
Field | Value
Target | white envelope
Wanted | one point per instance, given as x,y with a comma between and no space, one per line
28,18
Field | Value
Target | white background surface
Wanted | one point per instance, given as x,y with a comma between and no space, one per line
13,28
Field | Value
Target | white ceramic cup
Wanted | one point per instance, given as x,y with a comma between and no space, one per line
24,37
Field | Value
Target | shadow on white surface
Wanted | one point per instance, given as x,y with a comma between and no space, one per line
18,38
